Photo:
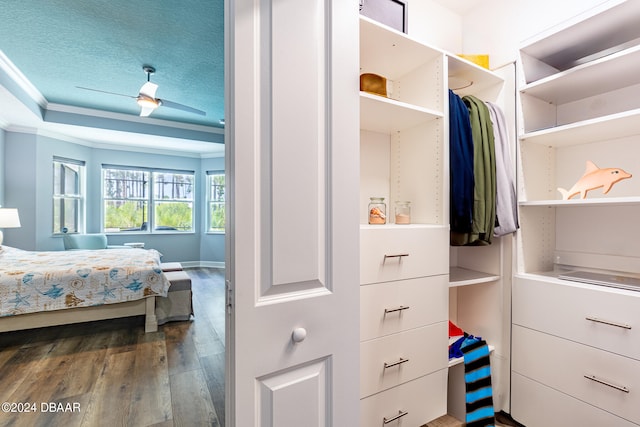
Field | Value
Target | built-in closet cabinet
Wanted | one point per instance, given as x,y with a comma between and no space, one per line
404,268
575,345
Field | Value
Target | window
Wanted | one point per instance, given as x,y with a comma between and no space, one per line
68,200
131,205
216,201
173,201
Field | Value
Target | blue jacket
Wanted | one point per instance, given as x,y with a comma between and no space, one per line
460,166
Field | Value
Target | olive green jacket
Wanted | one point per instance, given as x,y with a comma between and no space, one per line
484,170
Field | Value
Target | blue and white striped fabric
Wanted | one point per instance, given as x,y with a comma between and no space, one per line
477,376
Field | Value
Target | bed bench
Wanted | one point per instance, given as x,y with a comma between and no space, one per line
177,305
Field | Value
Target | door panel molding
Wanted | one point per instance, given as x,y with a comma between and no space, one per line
294,197
295,395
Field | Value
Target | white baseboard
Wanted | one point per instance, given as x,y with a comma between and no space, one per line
195,264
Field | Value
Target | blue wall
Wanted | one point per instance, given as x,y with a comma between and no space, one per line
2,156
211,245
28,186
20,188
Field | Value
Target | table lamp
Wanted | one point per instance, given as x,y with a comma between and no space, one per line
8,219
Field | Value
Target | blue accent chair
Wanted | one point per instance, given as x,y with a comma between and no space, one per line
88,241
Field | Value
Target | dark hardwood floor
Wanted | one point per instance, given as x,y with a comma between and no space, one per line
110,373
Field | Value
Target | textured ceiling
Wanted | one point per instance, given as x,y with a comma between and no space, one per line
103,44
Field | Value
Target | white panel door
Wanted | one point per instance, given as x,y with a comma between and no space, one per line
292,237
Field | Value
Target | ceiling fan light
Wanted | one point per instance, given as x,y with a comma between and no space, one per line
145,102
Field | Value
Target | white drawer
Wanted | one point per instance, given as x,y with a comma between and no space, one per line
562,364
536,405
424,350
402,252
423,399
561,308
391,307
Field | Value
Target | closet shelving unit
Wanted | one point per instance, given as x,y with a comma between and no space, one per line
403,267
579,100
574,344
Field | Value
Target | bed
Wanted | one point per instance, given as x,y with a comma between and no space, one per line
39,288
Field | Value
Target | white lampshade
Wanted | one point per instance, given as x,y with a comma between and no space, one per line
8,219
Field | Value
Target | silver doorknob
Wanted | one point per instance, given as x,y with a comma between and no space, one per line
299,334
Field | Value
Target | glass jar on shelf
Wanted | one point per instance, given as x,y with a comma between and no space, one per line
377,210
403,212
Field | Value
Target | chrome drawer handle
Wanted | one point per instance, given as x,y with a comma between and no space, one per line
399,256
607,322
393,310
400,415
608,384
392,364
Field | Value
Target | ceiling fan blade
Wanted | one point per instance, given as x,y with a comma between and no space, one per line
182,107
146,111
104,91
149,89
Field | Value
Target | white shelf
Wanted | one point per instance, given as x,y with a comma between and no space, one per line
600,28
603,128
608,201
460,360
390,53
385,115
478,78
586,80
464,277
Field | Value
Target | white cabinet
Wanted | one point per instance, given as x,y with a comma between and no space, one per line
579,95
575,346
403,267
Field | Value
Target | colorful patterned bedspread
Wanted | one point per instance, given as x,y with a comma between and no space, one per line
42,281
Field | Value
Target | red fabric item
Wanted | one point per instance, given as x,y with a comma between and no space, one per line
454,330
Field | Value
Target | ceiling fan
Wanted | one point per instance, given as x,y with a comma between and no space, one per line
146,98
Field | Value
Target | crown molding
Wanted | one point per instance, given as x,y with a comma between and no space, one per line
21,80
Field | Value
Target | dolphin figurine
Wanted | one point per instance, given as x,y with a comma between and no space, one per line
593,178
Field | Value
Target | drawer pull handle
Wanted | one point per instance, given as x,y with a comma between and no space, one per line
399,256
392,419
392,364
607,322
393,310
608,384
